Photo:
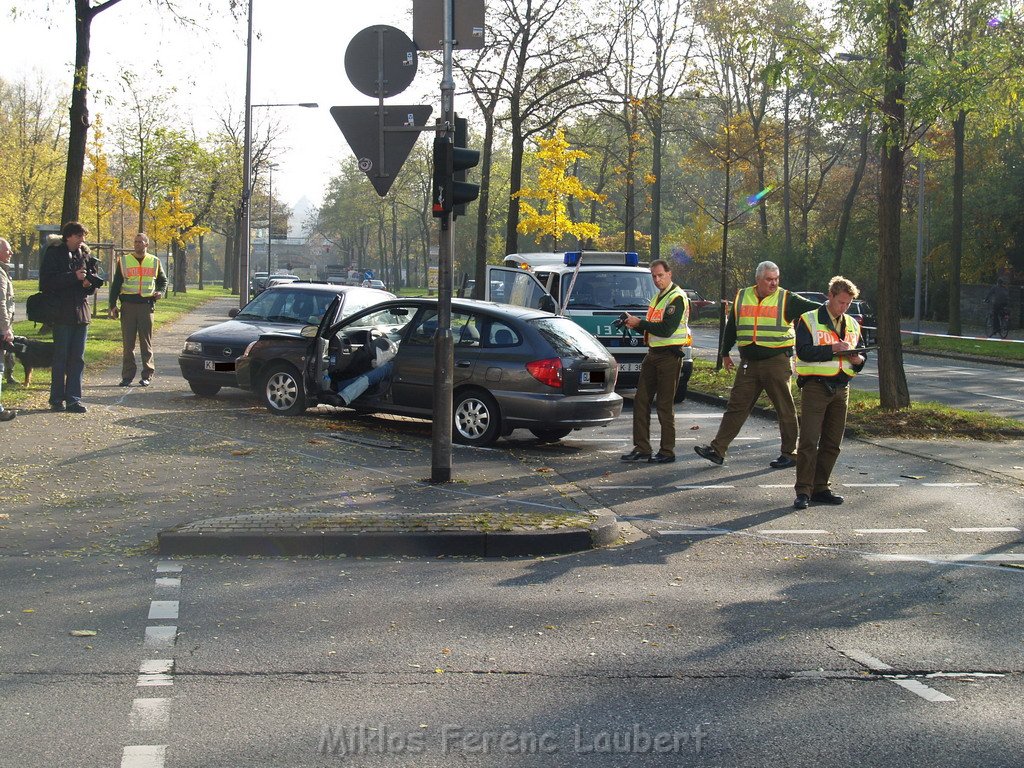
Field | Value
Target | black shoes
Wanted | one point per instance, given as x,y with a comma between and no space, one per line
636,455
77,408
661,458
783,462
56,406
826,497
709,453
802,500
125,383
7,415
144,382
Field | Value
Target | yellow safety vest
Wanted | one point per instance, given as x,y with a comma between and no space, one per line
824,336
139,276
763,321
656,313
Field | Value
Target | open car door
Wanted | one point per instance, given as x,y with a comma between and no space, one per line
508,285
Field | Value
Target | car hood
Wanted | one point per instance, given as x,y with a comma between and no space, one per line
242,331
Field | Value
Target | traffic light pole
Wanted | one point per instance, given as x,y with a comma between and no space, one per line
444,362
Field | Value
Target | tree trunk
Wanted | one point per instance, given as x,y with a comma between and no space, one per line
78,128
956,250
787,195
180,267
657,133
515,183
483,207
201,260
892,380
851,197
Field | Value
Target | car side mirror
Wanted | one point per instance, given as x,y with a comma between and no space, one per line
309,331
547,304
233,311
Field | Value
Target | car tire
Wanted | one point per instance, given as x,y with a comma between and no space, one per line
201,389
684,381
475,418
283,391
551,435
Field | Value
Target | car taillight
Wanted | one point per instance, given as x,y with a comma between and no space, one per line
547,371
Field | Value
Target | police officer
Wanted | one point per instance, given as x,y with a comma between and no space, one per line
826,340
667,334
761,324
139,281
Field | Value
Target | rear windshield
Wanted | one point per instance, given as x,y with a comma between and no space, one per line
569,339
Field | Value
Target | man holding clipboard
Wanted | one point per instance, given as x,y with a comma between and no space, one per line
830,352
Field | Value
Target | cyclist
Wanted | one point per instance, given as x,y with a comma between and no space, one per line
999,296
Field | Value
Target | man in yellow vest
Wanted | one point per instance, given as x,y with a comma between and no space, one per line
826,343
667,333
139,281
761,324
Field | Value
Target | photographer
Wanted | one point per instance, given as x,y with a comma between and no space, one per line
68,276
6,317
666,331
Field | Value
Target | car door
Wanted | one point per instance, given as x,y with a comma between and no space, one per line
413,378
508,285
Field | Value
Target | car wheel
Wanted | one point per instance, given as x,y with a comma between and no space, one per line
283,391
475,418
203,390
684,381
551,435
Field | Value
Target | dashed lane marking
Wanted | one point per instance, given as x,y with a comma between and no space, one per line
150,714
958,558
922,690
144,756
914,686
870,485
697,532
155,672
889,530
168,567
163,609
951,485
702,487
793,531
994,529
866,659
781,485
160,637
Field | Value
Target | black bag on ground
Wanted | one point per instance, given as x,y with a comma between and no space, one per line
39,308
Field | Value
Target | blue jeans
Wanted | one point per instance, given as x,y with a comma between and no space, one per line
351,389
68,363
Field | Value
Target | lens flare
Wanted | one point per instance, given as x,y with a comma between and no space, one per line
755,199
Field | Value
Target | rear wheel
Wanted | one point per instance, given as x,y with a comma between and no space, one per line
203,390
550,435
283,391
475,418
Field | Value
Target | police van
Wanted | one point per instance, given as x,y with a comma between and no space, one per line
593,289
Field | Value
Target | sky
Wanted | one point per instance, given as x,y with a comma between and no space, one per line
298,56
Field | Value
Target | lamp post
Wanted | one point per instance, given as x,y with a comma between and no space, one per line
243,239
270,211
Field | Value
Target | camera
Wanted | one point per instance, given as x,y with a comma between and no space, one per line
620,321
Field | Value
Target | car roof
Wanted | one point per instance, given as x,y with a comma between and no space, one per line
507,310
331,288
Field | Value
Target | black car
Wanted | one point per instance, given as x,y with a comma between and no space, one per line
864,313
208,360
515,368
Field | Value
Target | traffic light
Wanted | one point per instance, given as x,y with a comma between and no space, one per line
451,192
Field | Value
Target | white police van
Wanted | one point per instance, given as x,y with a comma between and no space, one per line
593,289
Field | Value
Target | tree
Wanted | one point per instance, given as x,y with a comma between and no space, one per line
102,195
173,223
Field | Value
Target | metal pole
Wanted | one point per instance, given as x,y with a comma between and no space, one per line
243,239
919,256
441,450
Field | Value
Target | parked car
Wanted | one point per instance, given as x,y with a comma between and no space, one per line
208,360
261,281
378,284
816,296
864,313
515,368
699,306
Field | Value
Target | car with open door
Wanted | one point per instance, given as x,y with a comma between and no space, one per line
514,368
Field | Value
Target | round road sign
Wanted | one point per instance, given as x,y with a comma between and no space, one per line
381,61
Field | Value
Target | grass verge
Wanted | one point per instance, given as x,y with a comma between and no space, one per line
866,418
103,348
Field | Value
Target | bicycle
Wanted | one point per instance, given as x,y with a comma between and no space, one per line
1003,328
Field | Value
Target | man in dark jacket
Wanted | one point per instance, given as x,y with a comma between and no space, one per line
68,277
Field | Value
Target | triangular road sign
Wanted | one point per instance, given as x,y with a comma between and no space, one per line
380,153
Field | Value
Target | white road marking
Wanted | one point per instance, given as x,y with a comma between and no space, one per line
168,567
886,558
144,756
150,714
922,690
697,532
155,672
783,485
163,609
1000,397
951,485
702,487
866,659
169,583
1004,529
871,485
889,530
778,532
160,637
626,487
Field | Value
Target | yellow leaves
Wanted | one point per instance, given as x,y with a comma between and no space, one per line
173,222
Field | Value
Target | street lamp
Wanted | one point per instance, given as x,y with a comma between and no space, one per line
243,240
270,212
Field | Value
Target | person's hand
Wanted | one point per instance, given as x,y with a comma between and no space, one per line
113,313
631,321
727,362
157,296
80,274
8,336
840,346
857,359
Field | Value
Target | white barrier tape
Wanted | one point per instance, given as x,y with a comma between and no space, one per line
971,338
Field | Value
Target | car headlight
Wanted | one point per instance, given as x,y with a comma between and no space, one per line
194,347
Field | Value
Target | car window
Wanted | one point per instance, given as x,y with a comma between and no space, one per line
280,305
625,289
357,301
501,335
569,339
390,320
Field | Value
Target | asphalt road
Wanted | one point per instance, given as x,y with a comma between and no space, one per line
726,630
973,386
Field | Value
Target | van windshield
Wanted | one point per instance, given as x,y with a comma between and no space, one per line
619,290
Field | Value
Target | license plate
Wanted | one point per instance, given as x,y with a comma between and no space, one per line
209,365
629,367
213,365
592,377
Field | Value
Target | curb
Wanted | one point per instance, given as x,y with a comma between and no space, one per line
253,535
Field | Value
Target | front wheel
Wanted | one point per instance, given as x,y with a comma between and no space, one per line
475,418
283,391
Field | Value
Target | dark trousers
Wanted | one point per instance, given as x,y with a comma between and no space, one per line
822,422
659,377
68,363
136,322
753,377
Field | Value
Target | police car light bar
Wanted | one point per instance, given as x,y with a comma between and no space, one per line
591,258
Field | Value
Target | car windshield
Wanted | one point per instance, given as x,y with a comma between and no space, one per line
281,305
622,290
568,338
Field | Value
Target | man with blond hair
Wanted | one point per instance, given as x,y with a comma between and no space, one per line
827,360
